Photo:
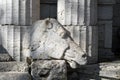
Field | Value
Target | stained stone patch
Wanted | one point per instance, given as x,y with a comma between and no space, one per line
49,70
14,76
13,67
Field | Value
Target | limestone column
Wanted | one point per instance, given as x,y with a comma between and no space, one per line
80,18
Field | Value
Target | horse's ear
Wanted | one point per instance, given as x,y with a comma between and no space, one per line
29,60
47,22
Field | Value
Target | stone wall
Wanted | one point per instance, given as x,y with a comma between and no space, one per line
105,20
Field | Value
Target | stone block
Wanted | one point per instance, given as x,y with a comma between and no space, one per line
13,67
49,70
12,41
77,12
16,12
19,12
14,76
102,10
78,75
110,70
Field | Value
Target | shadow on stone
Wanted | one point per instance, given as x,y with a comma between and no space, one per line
4,55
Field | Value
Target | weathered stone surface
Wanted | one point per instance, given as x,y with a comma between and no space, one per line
74,32
10,40
13,40
105,70
5,57
49,40
49,70
77,12
14,76
13,67
25,40
19,12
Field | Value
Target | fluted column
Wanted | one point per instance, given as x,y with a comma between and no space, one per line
16,15
19,12
80,18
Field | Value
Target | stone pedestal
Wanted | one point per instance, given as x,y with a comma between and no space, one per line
49,70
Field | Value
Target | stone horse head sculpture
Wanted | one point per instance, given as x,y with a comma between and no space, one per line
50,40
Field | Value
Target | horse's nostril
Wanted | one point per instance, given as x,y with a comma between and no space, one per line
84,55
